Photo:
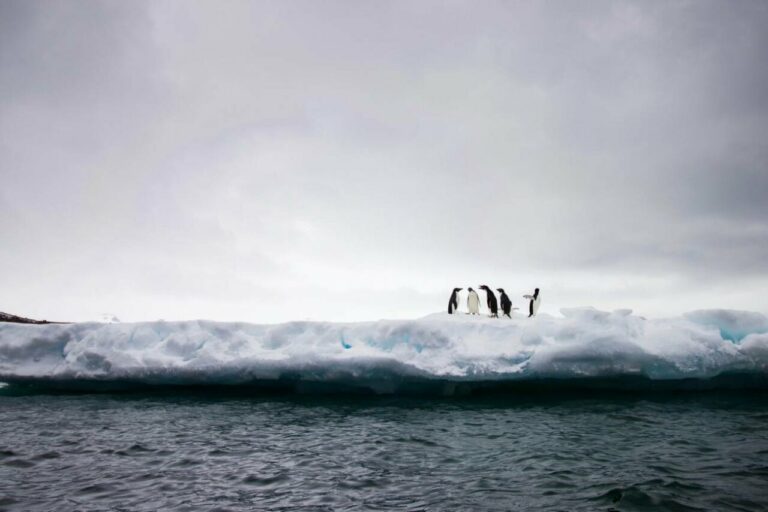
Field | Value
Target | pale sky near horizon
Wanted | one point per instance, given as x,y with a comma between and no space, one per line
277,160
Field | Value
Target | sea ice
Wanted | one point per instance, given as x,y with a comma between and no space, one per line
582,343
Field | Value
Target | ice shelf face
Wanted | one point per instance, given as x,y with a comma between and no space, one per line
583,343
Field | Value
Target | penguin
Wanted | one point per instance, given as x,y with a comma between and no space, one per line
506,304
533,306
473,302
491,300
453,302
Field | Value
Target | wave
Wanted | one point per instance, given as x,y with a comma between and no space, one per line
585,347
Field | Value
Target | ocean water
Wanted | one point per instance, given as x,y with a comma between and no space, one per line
544,451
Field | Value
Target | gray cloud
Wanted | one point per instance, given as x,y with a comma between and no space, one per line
273,160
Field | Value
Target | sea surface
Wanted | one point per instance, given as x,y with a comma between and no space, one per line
197,450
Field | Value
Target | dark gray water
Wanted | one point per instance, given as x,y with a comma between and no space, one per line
192,452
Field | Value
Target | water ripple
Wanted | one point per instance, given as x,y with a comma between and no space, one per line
147,453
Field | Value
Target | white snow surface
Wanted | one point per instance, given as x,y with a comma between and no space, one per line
584,342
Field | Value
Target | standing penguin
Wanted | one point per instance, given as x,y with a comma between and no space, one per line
491,301
533,306
453,302
506,304
473,302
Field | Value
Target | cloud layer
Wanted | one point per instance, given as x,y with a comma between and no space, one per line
271,160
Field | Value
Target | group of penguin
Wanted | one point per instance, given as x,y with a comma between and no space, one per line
473,302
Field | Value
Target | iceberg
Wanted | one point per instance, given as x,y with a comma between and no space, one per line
447,354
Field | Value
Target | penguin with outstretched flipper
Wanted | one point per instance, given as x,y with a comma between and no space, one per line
453,302
533,306
505,303
493,306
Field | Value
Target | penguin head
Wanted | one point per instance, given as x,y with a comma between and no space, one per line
455,290
470,289
483,287
536,292
500,290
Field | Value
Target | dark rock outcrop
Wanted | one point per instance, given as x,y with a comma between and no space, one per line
7,317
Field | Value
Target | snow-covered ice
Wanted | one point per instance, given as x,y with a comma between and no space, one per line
382,356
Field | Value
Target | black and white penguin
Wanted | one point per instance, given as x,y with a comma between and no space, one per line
505,303
453,302
533,306
491,301
473,302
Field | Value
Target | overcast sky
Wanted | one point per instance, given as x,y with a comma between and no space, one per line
267,161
